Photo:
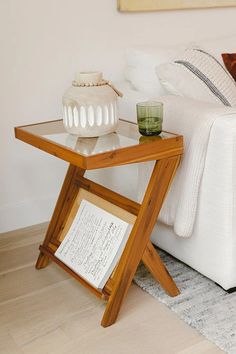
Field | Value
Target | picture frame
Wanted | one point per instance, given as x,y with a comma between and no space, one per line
158,5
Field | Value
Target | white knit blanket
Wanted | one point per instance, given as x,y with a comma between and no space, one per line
194,121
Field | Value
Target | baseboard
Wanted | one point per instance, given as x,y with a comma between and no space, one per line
26,213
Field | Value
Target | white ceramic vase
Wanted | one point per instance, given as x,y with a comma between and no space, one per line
90,106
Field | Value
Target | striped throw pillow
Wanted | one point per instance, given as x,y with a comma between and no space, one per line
198,74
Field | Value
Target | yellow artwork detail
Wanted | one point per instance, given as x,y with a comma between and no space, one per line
156,5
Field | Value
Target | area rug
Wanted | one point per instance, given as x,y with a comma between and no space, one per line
202,304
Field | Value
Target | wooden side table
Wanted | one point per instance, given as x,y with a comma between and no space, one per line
126,146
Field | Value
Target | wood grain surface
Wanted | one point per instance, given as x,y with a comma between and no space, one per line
52,313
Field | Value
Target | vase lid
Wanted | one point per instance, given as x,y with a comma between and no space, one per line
88,77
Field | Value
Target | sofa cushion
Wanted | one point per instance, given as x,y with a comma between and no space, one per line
197,74
141,63
143,79
142,60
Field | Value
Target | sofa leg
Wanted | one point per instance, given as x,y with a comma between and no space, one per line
231,290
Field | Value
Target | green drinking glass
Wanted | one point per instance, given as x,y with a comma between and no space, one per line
150,117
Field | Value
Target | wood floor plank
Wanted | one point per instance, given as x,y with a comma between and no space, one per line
139,330
24,281
29,318
56,340
8,345
46,312
18,257
203,347
19,238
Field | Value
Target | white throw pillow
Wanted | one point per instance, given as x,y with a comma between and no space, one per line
141,64
197,74
145,80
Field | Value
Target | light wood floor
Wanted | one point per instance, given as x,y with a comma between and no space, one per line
47,312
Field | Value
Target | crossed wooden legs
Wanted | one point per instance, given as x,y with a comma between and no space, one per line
154,264
138,246
64,203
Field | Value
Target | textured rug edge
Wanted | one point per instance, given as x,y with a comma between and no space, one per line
182,318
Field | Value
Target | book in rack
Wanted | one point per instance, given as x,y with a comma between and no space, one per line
94,243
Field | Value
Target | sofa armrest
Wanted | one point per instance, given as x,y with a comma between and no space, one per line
184,115
196,121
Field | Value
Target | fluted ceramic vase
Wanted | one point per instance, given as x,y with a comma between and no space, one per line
90,106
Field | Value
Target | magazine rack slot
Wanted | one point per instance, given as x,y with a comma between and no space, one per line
77,188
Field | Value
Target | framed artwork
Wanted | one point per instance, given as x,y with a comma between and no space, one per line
157,5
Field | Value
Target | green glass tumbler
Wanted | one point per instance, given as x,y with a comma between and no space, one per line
150,117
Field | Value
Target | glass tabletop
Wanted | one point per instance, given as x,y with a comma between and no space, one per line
127,135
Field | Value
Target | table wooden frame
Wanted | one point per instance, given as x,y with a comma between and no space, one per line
167,154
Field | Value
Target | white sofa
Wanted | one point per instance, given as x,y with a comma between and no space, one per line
211,248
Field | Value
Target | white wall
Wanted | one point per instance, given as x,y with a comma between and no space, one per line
43,43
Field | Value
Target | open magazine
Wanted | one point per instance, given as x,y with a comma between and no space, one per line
94,243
